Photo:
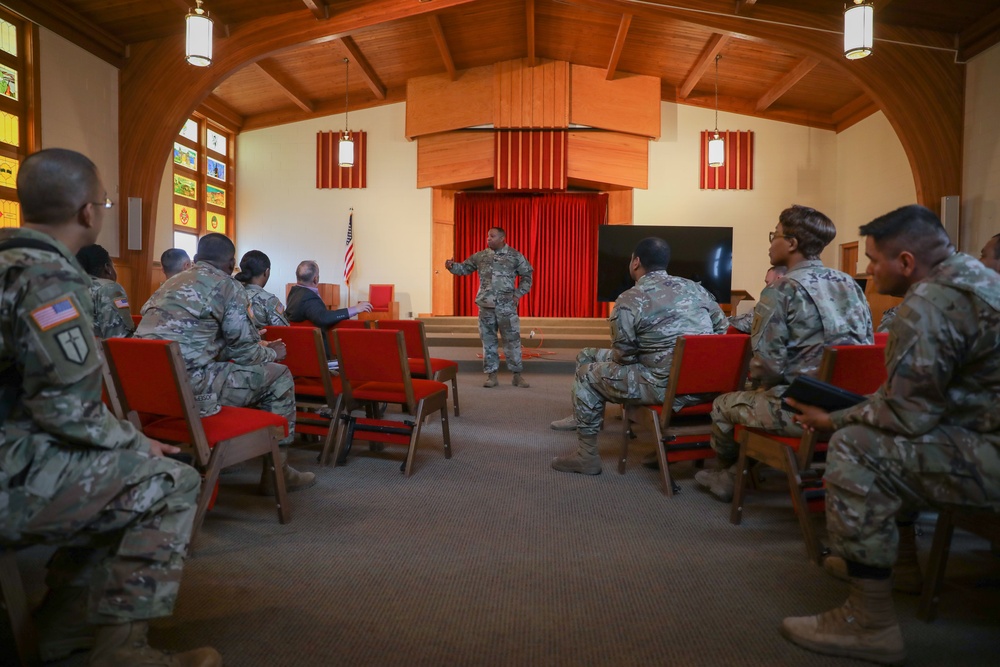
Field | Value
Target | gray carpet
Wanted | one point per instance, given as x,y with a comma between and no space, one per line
492,558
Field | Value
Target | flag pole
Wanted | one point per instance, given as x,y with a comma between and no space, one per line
348,279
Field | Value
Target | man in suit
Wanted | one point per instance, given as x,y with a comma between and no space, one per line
304,303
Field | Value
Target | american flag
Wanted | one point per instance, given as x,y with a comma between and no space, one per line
349,251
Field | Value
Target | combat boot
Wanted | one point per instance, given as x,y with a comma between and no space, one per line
565,424
491,380
906,575
585,460
519,381
126,645
61,622
864,628
294,480
721,482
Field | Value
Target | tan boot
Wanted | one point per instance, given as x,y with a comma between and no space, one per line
294,480
720,482
564,424
906,575
61,622
519,381
126,645
865,627
585,460
491,381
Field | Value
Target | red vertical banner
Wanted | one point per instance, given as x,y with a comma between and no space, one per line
329,173
530,160
736,173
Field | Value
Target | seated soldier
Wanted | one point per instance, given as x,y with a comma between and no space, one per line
304,303
265,308
809,308
744,323
990,254
69,470
930,435
173,261
645,324
111,315
206,312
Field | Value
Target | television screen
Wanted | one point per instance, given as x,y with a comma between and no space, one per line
701,254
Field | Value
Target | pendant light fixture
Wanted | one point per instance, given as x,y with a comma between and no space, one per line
198,45
716,146
858,21
346,149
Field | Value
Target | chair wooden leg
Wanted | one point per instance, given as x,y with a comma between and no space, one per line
445,430
791,468
205,495
666,481
414,437
280,492
740,484
324,456
16,602
938,562
626,436
454,393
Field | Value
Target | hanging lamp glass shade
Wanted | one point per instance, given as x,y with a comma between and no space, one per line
716,151
346,150
858,22
198,45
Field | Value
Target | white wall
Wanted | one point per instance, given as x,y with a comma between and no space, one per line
79,100
981,157
280,211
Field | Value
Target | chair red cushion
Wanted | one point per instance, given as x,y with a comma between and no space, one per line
392,392
226,424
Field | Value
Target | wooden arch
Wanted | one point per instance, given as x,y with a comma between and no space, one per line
919,90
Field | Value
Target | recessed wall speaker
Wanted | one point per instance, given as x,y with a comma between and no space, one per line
135,223
950,217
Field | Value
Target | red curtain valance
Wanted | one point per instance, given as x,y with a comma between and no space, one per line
329,174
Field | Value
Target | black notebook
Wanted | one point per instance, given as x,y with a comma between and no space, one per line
824,395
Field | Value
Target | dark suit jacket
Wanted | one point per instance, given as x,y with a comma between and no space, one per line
304,304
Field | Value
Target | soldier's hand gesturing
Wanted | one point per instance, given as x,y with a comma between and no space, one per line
448,263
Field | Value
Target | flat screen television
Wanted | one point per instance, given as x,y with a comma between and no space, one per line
701,254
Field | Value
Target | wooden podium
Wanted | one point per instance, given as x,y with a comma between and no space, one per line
329,292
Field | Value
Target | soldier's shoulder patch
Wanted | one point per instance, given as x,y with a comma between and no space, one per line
122,302
73,345
278,307
54,313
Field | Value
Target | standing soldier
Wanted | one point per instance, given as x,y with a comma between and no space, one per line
499,266
69,471
112,316
645,324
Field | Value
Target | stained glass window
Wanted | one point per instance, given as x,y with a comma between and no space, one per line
185,156
8,171
190,130
217,169
9,129
185,216
216,223
10,213
215,196
185,187
216,141
8,82
186,242
8,37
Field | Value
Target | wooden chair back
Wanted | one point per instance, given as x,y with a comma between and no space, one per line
373,356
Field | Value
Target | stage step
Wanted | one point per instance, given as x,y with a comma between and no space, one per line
551,332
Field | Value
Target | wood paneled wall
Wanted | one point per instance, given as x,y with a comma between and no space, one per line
629,103
443,287
531,97
438,104
610,159
455,159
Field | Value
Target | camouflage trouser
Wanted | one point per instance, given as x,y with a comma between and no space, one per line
872,476
267,386
600,380
503,318
125,520
754,409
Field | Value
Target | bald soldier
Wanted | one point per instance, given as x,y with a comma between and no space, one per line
70,472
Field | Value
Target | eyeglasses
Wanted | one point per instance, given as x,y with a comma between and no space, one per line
107,203
772,236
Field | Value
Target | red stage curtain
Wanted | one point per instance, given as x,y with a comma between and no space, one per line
556,232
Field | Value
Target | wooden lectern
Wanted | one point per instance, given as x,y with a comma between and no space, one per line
329,292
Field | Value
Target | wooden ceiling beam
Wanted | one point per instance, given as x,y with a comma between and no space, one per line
616,51
705,58
529,10
980,36
285,84
853,112
319,8
216,108
786,82
367,71
442,44
323,108
747,107
73,26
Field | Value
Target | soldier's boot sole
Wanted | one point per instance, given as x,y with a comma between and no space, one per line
576,463
884,647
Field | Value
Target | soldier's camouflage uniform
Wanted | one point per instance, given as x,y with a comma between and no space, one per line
887,317
742,323
497,300
70,473
931,434
809,308
205,311
265,308
645,324
112,317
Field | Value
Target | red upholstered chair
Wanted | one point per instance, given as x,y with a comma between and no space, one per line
857,368
707,364
315,386
419,358
151,379
384,305
373,369
881,337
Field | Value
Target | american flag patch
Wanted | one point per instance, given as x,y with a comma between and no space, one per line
55,314
122,302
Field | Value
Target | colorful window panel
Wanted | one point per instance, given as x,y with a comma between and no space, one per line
8,171
185,187
215,196
10,213
190,130
8,37
216,223
8,82
185,157
217,169
10,129
185,216
217,142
